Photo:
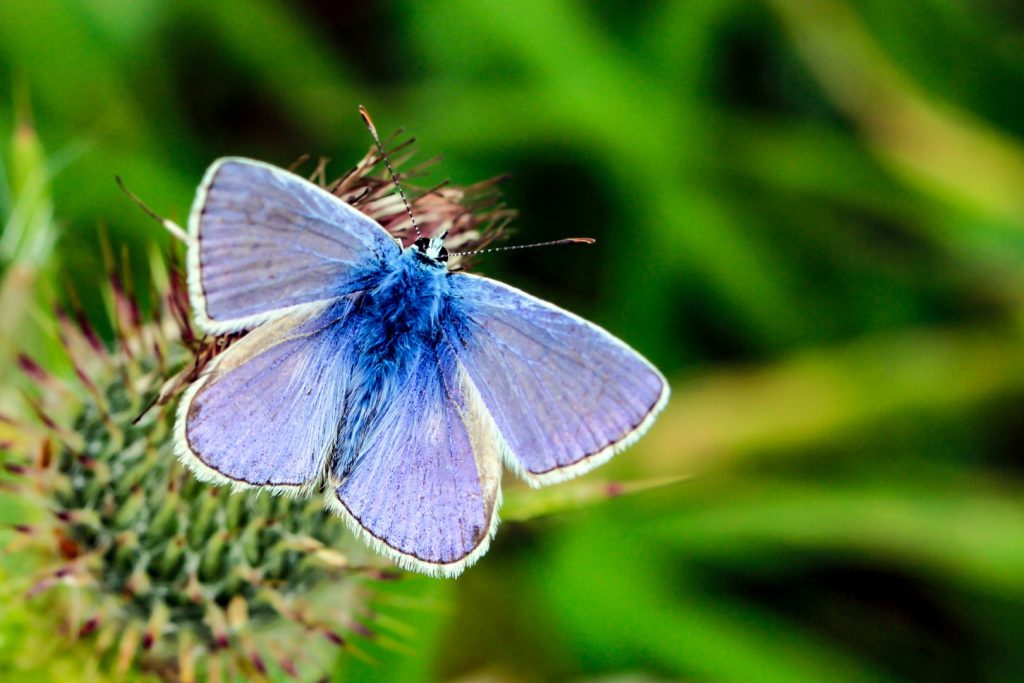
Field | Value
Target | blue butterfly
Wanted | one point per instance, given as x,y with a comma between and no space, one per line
373,373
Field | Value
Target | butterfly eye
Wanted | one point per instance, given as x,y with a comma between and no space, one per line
422,244
442,255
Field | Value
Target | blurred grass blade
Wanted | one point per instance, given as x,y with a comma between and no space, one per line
941,148
522,503
27,242
970,535
725,417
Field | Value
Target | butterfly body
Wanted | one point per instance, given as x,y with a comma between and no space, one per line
405,305
374,375
393,322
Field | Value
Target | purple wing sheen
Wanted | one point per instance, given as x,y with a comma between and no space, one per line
565,394
264,239
266,413
425,484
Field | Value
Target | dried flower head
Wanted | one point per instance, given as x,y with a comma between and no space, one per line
473,216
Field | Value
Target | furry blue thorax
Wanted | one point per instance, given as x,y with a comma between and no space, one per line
402,308
392,323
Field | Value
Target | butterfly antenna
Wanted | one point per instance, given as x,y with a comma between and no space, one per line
168,224
387,162
555,243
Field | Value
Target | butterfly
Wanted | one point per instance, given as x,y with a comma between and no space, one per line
371,374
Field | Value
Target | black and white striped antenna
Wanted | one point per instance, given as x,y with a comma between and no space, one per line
387,162
554,243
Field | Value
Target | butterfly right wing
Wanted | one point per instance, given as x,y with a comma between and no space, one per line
265,412
565,394
264,240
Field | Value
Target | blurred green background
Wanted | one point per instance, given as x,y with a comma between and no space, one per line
809,213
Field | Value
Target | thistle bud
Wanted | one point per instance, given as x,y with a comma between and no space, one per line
167,574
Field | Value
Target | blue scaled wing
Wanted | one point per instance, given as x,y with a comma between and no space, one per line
265,412
564,394
263,240
421,480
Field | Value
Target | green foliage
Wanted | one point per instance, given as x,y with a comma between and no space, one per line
809,213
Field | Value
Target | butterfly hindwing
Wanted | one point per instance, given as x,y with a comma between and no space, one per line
564,394
423,485
264,239
265,412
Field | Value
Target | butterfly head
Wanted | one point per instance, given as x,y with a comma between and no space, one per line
432,248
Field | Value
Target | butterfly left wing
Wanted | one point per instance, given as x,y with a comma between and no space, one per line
263,241
564,394
423,485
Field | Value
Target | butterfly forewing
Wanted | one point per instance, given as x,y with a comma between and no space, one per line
564,394
264,240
